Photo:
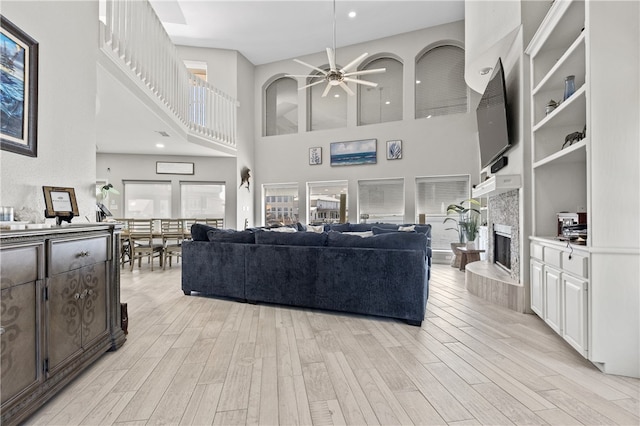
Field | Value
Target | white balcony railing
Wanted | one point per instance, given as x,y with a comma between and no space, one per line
134,36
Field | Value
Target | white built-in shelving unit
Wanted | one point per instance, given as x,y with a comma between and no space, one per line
588,294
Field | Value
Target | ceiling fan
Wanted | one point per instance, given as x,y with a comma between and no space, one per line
335,76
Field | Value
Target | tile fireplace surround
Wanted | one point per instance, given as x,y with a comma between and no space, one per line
488,280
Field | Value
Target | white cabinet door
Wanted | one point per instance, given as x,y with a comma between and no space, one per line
537,294
552,298
574,316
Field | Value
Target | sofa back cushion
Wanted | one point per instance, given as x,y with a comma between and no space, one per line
291,239
199,231
231,236
394,240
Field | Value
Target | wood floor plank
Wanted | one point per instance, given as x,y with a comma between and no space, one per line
109,409
230,418
269,392
513,409
174,402
576,408
235,391
287,401
317,382
419,409
302,400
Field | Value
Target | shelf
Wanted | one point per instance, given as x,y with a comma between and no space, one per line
576,153
497,184
557,26
570,63
570,112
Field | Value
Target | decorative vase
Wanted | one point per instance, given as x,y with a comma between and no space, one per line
569,86
471,245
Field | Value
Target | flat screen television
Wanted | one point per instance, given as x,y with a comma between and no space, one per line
493,126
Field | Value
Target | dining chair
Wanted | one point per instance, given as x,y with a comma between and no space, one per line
217,222
172,238
125,246
141,242
186,225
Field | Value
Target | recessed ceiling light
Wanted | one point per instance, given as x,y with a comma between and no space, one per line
159,145
485,70
429,116
337,95
352,14
387,103
418,82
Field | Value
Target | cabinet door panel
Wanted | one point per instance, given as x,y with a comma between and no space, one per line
574,316
537,295
94,302
64,314
19,339
552,297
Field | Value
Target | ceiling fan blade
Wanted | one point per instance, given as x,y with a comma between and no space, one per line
311,66
326,91
374,71
364,82
304,76
346,88
312,84
332,58
354,62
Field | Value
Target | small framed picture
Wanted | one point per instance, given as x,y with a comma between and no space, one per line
394,150
315,156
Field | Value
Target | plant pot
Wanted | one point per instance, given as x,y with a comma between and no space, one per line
455,261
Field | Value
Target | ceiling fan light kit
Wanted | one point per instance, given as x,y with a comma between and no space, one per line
335,76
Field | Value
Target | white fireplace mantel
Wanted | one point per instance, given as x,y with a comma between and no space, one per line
497,184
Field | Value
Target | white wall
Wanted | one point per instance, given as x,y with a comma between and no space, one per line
118,167
66,105
435,146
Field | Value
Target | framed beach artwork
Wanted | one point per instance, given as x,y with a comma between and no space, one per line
354,152
19,90
394,150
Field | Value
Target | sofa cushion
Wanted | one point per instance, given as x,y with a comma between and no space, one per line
231,236
199,231
318,229
338,227
292,238
393,240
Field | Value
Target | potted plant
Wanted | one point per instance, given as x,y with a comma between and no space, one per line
466,224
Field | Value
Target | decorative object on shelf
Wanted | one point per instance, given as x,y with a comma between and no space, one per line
108,189
394,150
6,214
364,217
19,100
60,203
315,156
354,152
244,178
25,214
571,138
551,105
569,86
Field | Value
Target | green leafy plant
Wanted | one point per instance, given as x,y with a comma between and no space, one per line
467,222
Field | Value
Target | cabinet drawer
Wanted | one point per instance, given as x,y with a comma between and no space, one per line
19,265
552,256
74,254
536,251
576,264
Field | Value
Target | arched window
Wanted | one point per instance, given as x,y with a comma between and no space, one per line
383,103
440,85
281,107
329,112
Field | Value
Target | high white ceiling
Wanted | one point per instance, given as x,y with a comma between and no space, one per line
263,31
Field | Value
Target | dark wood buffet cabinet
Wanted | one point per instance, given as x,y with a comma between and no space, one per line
60,297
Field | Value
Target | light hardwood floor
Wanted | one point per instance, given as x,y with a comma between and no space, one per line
198,360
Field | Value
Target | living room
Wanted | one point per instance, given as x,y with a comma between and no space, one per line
69,119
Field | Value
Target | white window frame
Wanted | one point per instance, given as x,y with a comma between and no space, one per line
392,217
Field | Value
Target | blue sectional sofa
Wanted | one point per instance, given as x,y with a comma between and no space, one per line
386,274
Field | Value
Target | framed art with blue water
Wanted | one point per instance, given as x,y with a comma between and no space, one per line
354,152
19,90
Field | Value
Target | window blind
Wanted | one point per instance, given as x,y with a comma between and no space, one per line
382,200
383,103
440,85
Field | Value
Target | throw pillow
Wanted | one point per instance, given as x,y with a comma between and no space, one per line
409,228
377,230
199,231
361,234
231,236
283,229
318,229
